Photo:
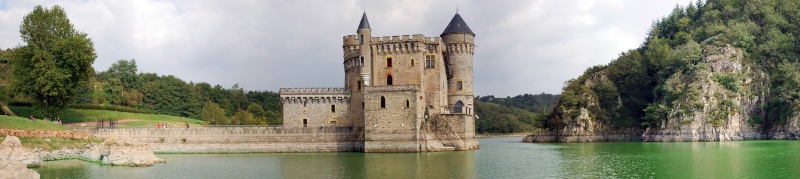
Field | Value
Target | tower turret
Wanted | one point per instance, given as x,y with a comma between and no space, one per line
459,48
364,35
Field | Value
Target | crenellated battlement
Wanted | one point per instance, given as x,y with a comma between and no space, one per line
288,91
316,95
460,48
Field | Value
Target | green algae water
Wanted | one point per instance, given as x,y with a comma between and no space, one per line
497,158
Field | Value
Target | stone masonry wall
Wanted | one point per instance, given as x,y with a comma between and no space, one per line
240,139
318,106
394,128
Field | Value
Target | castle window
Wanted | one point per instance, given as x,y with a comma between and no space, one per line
407,104
460,85
389,63
457,107
430,61
412,62
361,38
359,85
389,80
305,122
383,102
362,61
333,108
362,105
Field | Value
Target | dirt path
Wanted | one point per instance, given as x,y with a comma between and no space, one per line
84,124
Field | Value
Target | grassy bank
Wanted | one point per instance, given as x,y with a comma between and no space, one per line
10,122
83,115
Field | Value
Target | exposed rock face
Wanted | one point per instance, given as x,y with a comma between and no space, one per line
122,152
578,125
709,107
11,150
16,170
716,98
790,130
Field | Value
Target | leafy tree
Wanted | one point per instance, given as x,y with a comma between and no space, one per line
125,71
54,63
213,114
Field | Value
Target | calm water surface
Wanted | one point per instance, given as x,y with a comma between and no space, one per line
497,158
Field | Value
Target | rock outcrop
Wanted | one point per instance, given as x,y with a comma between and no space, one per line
122,152
111,152
16,170
579,125
12,150
715,100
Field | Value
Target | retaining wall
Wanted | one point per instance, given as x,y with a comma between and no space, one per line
239,139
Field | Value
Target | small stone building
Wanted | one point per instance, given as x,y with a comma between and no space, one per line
405,93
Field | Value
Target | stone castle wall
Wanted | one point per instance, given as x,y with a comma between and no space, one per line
240,139
317,106
395,127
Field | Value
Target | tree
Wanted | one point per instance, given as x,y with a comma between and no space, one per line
213,114
54,63
125,71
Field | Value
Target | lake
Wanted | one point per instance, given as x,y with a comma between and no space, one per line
498,158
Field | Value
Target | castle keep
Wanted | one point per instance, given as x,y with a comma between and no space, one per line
406,93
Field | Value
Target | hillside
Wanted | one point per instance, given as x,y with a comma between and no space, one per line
135,119
715,70
9,122
521,113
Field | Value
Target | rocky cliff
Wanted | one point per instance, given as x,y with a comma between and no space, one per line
715,101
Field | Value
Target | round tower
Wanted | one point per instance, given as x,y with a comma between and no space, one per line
364,35
459,43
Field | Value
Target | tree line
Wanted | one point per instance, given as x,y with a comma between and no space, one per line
521,113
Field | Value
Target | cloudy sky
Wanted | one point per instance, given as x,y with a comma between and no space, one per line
522,46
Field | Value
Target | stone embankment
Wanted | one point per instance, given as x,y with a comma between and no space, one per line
45,134
112,152
240,139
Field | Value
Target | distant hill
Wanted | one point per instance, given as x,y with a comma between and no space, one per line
521,113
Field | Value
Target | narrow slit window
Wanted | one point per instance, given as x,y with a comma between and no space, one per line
333,108
460,85
383,102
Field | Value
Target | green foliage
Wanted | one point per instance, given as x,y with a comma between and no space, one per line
496,118
729,80
55,61
214,115
657,76
91,115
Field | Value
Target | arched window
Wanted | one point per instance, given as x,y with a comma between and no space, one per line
389,80
457,107
383,102
412,62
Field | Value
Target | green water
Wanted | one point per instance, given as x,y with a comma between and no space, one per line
497,158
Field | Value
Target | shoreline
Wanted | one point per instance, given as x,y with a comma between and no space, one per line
497,135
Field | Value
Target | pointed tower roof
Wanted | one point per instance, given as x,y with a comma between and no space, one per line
457,25
364,22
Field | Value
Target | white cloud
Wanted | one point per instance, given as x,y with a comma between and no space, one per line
523,46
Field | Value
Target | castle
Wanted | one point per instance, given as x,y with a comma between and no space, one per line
407,93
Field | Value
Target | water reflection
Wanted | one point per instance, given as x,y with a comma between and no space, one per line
497,158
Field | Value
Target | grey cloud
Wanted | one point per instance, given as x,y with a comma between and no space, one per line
522,46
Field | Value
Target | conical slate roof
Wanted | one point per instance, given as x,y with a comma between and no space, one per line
457,25
364,22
